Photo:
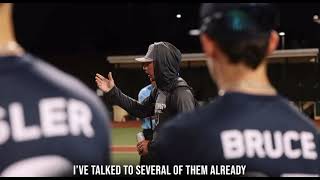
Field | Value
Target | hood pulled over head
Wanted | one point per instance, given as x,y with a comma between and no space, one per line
167,59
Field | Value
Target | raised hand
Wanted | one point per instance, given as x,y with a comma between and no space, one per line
105,84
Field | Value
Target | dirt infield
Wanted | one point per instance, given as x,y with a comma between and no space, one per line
317,123
123,149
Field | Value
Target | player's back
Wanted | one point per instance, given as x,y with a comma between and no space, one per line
265,133
48,120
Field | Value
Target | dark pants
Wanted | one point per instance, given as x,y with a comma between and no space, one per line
148,135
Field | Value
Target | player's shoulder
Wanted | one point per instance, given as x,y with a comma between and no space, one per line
189,121
63,82
292,112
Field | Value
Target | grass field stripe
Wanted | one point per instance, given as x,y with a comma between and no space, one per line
131,152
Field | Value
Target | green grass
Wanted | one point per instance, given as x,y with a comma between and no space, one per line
125,159
124,136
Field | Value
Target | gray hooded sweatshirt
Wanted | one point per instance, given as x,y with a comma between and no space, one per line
172,94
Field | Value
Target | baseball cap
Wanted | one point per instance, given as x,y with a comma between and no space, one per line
149,56
238,17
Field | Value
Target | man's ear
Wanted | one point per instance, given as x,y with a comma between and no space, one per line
273,42
207,45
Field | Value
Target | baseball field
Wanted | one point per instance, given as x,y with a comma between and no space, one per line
124,143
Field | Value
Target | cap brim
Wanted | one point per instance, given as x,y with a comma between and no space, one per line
143,59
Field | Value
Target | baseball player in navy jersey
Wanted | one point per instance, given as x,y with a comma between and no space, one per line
249,123
49,121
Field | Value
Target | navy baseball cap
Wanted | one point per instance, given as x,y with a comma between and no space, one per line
251,18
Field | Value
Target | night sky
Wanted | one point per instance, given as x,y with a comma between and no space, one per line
127,28
78,37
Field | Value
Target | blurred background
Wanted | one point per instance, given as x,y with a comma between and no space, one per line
78,37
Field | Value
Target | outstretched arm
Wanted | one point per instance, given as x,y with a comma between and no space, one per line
114,96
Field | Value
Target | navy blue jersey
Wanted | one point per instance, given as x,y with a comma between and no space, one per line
48,120
265,133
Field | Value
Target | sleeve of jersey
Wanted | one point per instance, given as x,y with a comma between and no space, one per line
183,100
141,110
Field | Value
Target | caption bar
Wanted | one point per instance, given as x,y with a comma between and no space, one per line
158,170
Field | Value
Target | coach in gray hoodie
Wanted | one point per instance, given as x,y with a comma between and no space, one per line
171,96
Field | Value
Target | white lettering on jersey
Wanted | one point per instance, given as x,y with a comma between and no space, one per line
277,151
53,117
309,146
253,143
232,143
299,175
80,118
20,132
4,127
288,138
58,117
39,166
